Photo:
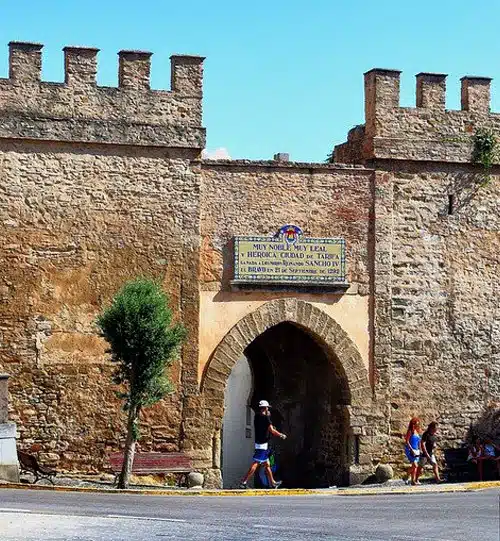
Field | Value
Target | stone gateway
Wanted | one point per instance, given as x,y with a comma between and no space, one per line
100,185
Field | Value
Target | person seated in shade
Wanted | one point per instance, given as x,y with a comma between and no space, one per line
474,450
489,453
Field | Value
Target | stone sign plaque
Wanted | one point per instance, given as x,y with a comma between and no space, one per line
289,258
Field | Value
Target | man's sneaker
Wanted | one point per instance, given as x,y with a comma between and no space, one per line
243,486
277,484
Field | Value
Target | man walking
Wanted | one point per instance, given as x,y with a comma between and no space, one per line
263,429
428,446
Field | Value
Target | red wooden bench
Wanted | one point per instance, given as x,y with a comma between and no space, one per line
149,463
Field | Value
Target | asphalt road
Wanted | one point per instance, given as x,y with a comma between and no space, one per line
43,515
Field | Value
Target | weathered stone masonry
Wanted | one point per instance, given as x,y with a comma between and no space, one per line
97,187
101,184
443,264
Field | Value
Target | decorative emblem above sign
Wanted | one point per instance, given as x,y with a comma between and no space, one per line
289,258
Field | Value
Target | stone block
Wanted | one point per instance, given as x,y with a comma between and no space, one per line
195,480
9,472
358,473
384,473
213,478
7,431
9,466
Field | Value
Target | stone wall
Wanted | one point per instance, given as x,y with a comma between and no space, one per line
97,186
79,110
254,198
243,197
445,316
436,267
427,132
77,224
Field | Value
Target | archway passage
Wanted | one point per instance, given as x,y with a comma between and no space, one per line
305,384
274,330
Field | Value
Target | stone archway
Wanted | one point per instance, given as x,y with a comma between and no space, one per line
318,324
304,314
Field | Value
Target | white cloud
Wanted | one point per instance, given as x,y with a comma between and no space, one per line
217,154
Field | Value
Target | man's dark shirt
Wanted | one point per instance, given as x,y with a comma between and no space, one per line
261,425
429,440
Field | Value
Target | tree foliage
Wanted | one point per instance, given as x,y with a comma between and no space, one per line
143,343
485,151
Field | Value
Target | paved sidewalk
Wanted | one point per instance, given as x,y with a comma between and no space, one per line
394,487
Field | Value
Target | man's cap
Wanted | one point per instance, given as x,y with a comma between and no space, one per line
264,404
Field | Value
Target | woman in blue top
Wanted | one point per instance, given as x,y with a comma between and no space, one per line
412,448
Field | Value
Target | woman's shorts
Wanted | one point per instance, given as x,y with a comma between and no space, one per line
424,460
261,456
410,456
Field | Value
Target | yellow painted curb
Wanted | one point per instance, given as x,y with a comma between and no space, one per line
167,492
469,487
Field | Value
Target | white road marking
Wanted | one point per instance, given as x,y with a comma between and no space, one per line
395,537
147,518
132,517
401,536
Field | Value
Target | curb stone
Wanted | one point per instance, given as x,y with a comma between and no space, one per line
429,489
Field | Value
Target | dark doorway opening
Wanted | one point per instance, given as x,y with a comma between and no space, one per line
307,388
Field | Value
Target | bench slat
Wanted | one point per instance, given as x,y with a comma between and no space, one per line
153,462
158,470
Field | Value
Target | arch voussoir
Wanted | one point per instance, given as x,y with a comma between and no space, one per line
246,330
215,383
300,311
291,309
280,310
232,344
224,357
240,334
265,318
253,325
304,314
220,369
322,323
331,332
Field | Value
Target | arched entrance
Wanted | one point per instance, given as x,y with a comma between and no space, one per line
305,363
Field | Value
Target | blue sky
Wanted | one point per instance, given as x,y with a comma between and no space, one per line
280,76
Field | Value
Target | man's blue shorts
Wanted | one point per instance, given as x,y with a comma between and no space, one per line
261,456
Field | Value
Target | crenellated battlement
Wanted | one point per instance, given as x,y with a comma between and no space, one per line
80,110
427,131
